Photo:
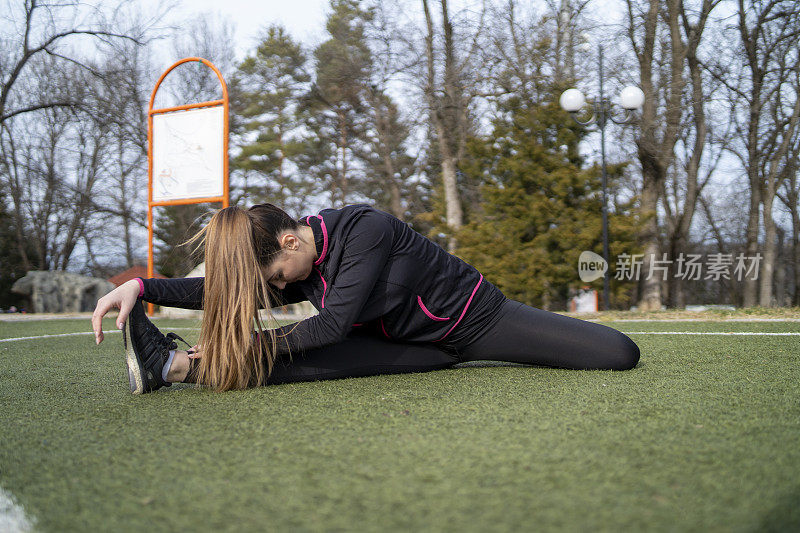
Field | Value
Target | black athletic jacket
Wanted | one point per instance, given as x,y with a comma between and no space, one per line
372,271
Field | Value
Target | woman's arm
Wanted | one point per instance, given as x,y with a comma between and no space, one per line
181,292
187,293
184,292
367,249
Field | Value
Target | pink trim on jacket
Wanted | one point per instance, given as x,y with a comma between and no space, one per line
324,241
141,286
430,315
384,329
324,237
464,311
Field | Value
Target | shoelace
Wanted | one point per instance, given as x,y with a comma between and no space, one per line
168,341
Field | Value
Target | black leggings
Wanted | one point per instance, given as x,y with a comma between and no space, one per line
518,333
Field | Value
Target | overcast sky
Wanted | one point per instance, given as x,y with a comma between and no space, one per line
305,19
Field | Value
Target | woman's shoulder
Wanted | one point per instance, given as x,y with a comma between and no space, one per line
355,210
361,216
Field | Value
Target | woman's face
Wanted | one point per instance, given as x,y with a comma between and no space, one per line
294,263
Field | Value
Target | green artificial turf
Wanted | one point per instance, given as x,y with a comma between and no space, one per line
703,435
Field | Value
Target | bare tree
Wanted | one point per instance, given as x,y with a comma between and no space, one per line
393,171
448,96
53,165
567,15
762,69
385,155
790,196
690,172
663,37
56,129
45,29
122,93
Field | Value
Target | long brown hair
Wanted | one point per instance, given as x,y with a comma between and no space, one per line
239,245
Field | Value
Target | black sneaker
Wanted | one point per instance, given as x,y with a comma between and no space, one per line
146,351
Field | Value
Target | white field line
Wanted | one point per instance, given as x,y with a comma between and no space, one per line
755,333
714,320
35,317
12,516
78,333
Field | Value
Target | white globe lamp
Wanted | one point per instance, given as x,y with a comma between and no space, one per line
572,100
631,98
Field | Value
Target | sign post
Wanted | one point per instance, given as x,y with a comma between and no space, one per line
187,155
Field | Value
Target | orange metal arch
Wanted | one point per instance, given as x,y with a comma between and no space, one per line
225,198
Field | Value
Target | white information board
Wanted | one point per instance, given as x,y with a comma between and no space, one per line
188,152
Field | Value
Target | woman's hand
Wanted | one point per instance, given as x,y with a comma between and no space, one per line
194,352
122,298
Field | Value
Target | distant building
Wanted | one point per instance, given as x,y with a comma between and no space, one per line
585,301
136,271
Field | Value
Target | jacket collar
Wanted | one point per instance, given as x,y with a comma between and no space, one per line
321,237
326,227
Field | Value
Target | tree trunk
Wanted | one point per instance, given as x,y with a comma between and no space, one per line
750,293
677,296
444,111
395,197
281,156
796,257
126,225
452,200
766,298
651,285
780,270
791,203
649,149
343,144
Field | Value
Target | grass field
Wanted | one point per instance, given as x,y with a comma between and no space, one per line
704,435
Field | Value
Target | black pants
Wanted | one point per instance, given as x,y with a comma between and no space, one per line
516,333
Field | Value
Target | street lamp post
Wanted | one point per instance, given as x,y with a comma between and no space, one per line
631,98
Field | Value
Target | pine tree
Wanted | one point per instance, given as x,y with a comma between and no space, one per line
267,85
12,265
174,225
541,208
334,111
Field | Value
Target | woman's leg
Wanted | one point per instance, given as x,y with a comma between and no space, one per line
525,334
360,355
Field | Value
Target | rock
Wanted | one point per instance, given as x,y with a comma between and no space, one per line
61,292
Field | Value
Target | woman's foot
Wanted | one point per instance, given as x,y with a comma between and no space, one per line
179,369
146,351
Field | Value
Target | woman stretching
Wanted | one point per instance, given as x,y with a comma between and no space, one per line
389,301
